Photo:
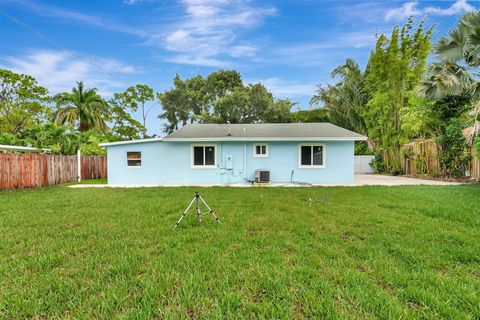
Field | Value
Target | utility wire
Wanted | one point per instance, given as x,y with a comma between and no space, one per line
66,49
61,45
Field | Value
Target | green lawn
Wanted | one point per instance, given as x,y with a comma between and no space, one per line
87,181
372,252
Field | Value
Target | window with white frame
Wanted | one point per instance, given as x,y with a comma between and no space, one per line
203,156
134,159
312,155
260,150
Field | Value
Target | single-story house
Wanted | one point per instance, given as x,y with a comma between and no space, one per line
222,154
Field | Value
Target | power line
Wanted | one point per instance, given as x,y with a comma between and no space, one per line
61,45
66,49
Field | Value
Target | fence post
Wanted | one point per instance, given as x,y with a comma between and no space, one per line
79,166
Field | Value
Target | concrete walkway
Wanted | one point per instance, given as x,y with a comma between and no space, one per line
360,180
383,180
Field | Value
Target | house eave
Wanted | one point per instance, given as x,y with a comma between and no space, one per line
360,138
109,144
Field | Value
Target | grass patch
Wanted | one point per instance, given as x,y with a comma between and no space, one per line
372,252
87,181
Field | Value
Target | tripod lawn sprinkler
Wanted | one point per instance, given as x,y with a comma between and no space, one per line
196,200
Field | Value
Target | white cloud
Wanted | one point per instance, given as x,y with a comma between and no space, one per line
210,31
412,9
205,32
285,89
322,51
198,61
76,16
58,70
351,13
243,50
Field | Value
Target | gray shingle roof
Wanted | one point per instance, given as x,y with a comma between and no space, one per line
264,131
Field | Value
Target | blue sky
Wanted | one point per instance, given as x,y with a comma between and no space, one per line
290,46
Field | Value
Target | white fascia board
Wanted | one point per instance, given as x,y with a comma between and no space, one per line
21,148
362,138
108,144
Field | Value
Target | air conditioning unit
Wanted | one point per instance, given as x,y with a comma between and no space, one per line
262,176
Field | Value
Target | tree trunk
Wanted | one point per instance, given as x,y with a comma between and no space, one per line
83,127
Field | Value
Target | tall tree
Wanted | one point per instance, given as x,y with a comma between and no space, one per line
394,69
183,102
311,115
218,98
84,107
136,98
23,103
458,66
123,104
123,125
344,100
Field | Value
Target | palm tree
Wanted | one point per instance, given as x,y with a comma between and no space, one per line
82,106
459,56
345,99
444,79
463,43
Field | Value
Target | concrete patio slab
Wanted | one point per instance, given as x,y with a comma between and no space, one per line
384,180
360,180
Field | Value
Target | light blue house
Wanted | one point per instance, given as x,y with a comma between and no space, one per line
222,154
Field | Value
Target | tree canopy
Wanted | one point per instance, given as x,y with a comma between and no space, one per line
22,103
345,100
82,107
394,70
218,98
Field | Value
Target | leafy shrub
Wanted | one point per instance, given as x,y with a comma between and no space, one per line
453,158
9,139
396,171
377,163
362,149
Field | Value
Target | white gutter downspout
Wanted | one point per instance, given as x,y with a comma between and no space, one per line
79,166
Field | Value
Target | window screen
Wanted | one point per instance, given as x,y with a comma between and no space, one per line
134,159
317,156
261,150
311,155
198,156
210,156
204,155
306,155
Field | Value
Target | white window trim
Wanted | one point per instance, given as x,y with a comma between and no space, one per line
193,166
315,166
255,155
141,161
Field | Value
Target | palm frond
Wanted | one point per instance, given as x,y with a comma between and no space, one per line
444,79
66,115
454,48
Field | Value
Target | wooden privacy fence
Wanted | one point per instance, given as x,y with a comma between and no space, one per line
93,167
420,157
475,165
36,170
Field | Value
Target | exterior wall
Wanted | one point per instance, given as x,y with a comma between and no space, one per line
169,163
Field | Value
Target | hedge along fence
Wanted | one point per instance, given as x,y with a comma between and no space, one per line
422,157
36,170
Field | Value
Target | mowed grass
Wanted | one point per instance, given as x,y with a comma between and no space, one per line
371,252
